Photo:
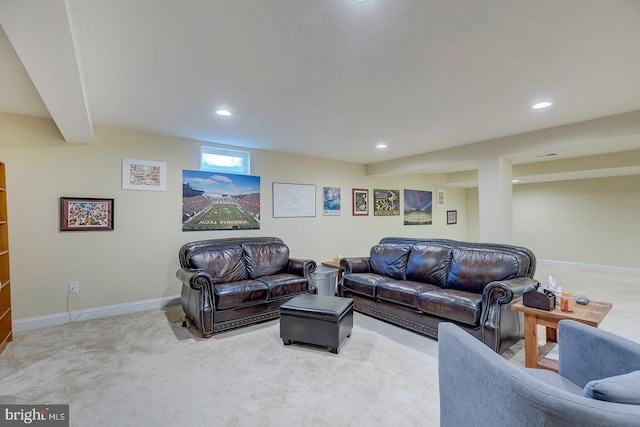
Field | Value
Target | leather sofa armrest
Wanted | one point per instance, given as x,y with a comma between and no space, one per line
498,322
195,279
505,291
355,265
301,267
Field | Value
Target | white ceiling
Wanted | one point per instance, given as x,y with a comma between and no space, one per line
329,78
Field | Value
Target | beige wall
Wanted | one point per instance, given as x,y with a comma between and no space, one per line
585,221
590,221
137,261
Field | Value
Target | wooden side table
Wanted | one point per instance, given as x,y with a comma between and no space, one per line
591,314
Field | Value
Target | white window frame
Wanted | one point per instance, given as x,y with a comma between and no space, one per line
244,168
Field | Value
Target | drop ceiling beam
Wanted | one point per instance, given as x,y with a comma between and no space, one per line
41,34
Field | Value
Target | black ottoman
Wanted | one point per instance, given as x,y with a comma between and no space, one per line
316,319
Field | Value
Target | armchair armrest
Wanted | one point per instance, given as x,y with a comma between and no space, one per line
197,298
355,265
587,353
195,279
301,267
480,388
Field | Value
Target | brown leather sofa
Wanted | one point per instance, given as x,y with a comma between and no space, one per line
229,283
418,283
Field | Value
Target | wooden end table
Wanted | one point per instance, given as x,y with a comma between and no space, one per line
591,314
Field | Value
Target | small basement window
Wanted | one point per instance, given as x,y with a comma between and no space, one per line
225,160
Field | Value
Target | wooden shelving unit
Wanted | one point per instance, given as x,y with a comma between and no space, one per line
6,331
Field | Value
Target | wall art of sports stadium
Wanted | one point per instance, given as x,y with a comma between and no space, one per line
220,201
418,207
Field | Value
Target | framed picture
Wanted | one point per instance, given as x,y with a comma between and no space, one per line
360,198
386,202
144,175
440,195
417,207
294,200
213,201
84,214
331,201
452,217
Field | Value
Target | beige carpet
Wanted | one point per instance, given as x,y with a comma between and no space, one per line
144,369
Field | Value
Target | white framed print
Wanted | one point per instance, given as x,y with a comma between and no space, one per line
440,198
294,200
144,175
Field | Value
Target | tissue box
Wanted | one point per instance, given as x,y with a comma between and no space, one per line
543,301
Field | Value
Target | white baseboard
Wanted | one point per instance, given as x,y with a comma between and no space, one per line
591,267
93,313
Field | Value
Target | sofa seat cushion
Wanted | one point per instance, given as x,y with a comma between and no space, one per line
555,380
363,283
403,292
237,294
452,304
284,284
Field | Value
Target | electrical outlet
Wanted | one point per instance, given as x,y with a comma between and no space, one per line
74,287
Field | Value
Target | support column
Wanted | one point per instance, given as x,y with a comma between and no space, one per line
495,200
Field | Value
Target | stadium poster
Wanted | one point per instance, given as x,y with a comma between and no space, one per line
220,201
417,207
386,202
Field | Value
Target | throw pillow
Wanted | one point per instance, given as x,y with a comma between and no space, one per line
620,389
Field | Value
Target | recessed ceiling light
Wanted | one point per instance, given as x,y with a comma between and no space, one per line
515,181
541,105
381,146
224,113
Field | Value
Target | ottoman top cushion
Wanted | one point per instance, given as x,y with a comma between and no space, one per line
317,306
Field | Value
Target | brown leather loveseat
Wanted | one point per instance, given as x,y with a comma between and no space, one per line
229,283
418,283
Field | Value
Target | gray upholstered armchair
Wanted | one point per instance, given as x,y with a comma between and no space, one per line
480,388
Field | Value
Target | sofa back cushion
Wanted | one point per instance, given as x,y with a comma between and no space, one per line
266,259
472,269
429,264
389,260
224,263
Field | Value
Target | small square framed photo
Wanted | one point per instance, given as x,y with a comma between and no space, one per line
452,217
360,201
86,214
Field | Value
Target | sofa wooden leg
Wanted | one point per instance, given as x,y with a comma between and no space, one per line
205,336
